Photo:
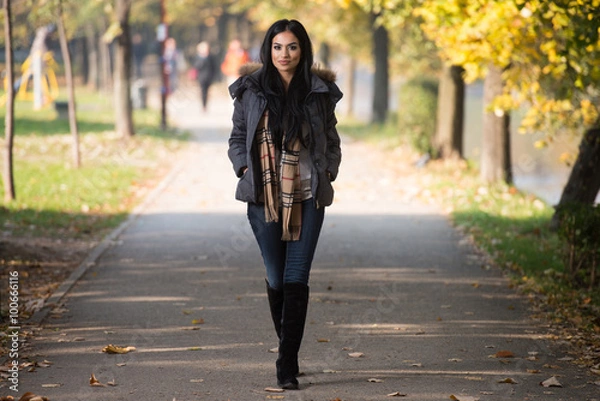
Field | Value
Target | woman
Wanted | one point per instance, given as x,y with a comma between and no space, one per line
285,149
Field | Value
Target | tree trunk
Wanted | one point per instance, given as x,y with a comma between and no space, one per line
93,81
9,119
584,181
381,79
122,79
448,140
64,46
325,54
164,77
222,35
495,146
105,63
349,90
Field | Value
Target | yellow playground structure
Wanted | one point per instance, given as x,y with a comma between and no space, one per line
23,88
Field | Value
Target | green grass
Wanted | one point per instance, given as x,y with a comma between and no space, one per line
511,226
387,133
55,199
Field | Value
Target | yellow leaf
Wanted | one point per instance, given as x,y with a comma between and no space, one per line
504,354
198,321
95,382
113,349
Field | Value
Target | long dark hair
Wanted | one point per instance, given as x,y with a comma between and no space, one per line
286,109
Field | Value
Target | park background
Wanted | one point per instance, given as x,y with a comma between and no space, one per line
493,104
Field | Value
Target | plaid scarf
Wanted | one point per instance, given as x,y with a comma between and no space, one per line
281,186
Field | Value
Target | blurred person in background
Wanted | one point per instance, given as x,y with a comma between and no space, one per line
206,71
235,57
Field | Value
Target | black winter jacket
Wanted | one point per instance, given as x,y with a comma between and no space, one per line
250,104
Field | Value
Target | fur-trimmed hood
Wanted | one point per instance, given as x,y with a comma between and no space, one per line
323,80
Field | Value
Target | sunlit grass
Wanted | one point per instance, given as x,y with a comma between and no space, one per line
512,227
386,134
53,197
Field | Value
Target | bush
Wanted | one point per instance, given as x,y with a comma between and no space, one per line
579,229
417,112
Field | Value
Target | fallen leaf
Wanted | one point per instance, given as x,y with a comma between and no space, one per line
51,385
274,390
195,349
95,382
323,340
463,398
373,380
417,365
329,371
356,354
112,383
396,394
504,354
28,396
533,371
551,382
274,350
121,364
454,360
197,381
198,321
113,349
275,397
508,380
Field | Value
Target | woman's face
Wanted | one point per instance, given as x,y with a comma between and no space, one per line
285,53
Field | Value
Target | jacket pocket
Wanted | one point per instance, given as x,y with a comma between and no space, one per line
325,190
245,188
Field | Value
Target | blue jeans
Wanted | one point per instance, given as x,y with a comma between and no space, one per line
287,261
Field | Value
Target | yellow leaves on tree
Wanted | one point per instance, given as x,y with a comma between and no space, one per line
548,50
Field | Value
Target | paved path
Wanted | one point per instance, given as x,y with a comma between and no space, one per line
391,282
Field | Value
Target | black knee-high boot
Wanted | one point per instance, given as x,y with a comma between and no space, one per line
295,305
276,306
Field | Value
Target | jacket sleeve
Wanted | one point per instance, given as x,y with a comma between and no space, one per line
334,152
237,140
